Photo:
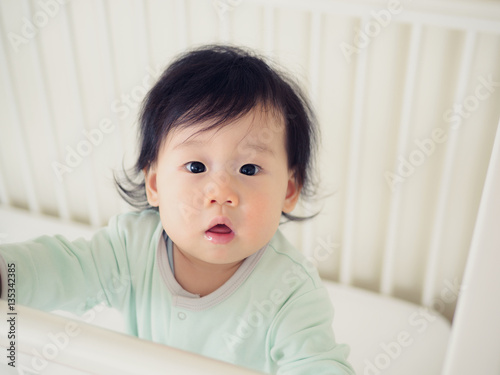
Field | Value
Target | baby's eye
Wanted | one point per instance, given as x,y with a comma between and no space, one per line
196,167
249,169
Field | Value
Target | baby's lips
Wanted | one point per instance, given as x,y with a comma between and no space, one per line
221,229
220,224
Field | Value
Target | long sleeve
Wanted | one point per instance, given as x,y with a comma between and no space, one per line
54,273
302,340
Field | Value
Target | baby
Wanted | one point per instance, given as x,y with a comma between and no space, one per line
226,149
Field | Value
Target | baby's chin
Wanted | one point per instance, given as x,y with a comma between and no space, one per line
225,255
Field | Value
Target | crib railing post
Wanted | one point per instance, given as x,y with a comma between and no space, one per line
389,260
475,337
445,183
348,233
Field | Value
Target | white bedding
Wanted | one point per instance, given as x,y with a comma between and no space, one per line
386,335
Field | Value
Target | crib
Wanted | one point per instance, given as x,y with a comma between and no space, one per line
406,92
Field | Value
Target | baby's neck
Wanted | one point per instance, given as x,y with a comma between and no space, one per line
199,277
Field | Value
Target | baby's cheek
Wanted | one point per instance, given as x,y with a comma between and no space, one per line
180,204
188,208
267,211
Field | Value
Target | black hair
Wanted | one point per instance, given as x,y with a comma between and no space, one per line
220,83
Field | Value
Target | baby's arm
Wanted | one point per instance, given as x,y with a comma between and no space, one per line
54,273
302,338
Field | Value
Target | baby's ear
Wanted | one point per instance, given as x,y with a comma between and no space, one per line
151,188
292,194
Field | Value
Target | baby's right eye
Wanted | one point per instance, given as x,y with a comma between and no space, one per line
195,167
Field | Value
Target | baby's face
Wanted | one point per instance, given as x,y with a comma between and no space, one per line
221,192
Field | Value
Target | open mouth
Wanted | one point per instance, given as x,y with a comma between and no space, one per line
219,234
220,228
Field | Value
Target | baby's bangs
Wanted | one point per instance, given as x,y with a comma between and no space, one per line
225,94
213,120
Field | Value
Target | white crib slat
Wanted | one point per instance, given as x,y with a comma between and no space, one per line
91,188
180,9
223,18
145,60
476,327
445,183
269,30
23,162
309,232
314,56
4,197
110,84
47,122
142,42
387,281
351,188
224,29
102,25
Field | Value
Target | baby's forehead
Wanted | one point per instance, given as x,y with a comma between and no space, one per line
256,128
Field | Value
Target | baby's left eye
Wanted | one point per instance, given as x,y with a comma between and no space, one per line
249,169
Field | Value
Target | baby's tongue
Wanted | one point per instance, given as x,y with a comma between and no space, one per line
220,228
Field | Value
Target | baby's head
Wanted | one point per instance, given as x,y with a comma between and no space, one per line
226,145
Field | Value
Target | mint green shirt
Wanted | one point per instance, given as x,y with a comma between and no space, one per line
273,315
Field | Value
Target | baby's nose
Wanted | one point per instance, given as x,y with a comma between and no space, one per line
221,190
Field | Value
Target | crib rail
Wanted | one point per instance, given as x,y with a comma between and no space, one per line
57,345
476,322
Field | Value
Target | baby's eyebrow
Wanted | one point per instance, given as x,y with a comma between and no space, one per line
259,147
188,142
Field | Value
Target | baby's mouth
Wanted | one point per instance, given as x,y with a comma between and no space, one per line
219,234
220,228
